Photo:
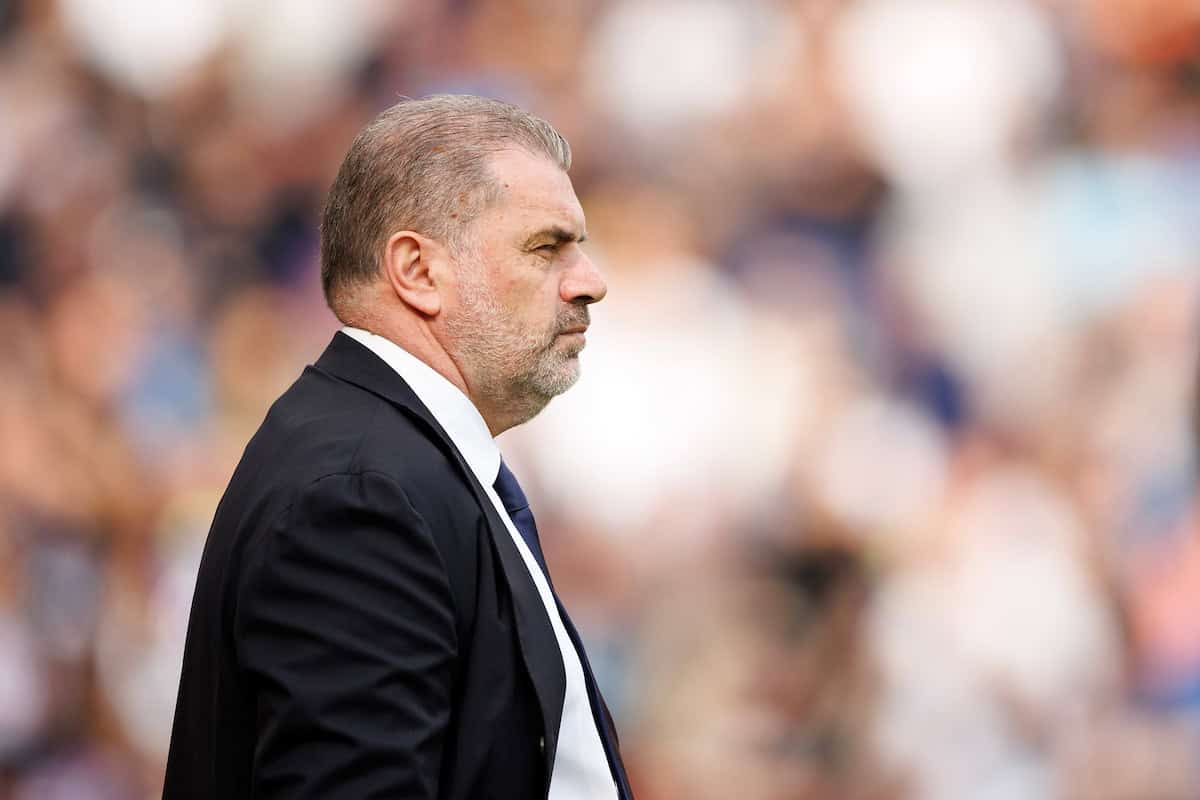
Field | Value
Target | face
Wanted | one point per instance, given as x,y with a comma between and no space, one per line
517,317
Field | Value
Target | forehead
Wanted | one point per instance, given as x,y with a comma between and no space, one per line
534,191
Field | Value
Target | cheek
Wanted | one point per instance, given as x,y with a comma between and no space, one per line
535,303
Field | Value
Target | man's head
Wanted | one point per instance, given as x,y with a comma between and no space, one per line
453,229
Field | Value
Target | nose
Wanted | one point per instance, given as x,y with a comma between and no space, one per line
583,284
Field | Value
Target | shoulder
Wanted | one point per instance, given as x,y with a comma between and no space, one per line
326,426
327,442
323,431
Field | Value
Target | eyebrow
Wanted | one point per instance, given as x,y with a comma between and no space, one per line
556,233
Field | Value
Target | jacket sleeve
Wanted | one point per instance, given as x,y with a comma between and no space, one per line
345,623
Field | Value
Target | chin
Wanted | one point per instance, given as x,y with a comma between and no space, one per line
553,374
566,376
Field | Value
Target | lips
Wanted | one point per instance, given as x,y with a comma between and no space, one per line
574,329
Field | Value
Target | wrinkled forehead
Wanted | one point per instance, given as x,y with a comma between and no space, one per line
533,189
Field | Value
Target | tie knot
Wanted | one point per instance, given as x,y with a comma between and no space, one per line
509,490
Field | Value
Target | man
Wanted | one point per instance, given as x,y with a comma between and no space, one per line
373,616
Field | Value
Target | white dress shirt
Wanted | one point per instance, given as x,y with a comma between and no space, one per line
581,770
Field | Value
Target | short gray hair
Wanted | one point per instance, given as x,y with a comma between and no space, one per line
421,165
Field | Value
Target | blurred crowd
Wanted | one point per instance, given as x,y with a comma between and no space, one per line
879,483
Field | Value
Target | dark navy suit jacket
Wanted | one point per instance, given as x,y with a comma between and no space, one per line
363,625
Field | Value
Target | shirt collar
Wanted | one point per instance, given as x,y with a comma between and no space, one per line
453,410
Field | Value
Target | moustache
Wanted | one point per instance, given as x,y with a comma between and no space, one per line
577,316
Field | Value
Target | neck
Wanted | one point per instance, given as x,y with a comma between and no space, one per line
418,339
504,413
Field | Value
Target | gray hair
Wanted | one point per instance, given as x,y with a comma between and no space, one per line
421,165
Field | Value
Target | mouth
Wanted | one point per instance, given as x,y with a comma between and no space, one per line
580,329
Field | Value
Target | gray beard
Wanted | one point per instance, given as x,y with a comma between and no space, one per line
509,368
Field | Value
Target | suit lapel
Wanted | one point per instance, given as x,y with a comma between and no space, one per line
350,361
539,646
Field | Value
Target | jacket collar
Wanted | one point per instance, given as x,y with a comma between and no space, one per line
448,404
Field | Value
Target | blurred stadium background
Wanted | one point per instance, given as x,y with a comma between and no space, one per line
879,481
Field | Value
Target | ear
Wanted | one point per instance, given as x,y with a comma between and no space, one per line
409,264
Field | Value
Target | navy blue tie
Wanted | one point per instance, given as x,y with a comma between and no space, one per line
517,506
515,503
